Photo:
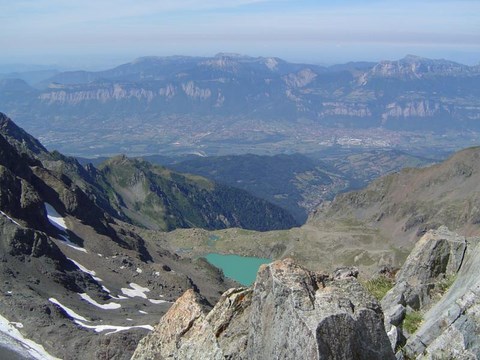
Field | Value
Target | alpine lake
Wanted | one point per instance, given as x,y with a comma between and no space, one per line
242,269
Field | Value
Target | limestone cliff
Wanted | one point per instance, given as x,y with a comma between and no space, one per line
289,313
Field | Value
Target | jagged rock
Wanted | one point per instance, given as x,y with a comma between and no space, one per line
450,328
290,313
345,272
188,331
438,255
20,200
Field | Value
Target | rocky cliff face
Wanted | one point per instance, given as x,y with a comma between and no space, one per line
450,327
439,283
289,313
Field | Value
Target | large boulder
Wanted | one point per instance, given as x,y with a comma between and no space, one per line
290,313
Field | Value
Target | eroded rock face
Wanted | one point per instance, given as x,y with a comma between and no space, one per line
450,320
437,255
450,328
290,313
188,331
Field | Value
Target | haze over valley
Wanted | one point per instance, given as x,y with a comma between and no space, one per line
232,104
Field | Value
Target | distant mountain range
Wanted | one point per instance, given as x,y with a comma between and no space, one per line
195,103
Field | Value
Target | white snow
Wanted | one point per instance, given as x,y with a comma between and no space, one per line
72,245
35,350
108,306
119,297
85,270
136,290
69,311
78,319
18,325
153,301
9,218
100,328
59,222
55,218
139,270
142,312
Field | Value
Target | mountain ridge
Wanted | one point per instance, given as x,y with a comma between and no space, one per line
244,100
71,273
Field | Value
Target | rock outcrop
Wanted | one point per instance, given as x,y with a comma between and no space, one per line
450,328
290,313
439,281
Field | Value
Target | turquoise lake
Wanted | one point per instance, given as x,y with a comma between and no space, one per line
240,268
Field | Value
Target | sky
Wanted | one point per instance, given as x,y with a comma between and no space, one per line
101,33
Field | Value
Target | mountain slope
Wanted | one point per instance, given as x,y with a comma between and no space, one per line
405,205
297,182
158,198
293,182
70,273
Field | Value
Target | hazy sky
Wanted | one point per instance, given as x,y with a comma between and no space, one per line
103,32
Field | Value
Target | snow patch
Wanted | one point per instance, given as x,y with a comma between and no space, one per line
153,301
142,312
67,242
69,311
80,320
85,270
9,218
100,328
139,270
108,306
35,350
136,290
55,218
119,297
59,222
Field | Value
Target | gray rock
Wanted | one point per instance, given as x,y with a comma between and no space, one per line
291,313
450,328
451,322
188,332
345,272
396,314
437,255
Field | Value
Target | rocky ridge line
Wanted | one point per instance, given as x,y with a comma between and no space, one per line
290,312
